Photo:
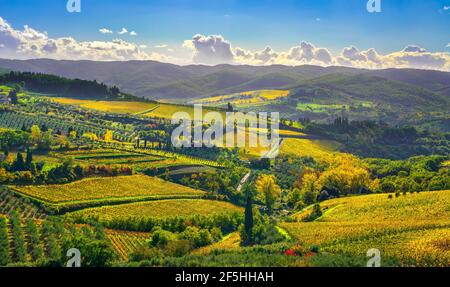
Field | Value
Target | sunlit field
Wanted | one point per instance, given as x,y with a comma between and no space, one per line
322,150
117,107
245,99
108,188
413,228
125,242
159,209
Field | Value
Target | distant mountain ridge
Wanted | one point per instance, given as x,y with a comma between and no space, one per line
155,80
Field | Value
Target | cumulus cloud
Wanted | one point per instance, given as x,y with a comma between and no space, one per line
30,43
215,49
133,33
210,50
105,31
307,53
123,31
411,56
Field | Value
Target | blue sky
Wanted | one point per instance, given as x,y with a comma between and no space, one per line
249,24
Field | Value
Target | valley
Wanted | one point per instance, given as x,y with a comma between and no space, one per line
363,164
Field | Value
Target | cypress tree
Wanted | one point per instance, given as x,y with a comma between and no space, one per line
29,158
19,164
248,220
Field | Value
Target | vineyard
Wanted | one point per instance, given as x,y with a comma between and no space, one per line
136,187
412,229
10,203
158,209
17,121
125,242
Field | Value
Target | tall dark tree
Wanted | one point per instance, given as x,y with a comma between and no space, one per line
230,107
13,97
19,164
248,219
29,157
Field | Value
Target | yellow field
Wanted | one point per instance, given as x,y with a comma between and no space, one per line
156,110
245,98
160,209
125,242
117,107
321,150
106,188
166,111
413,229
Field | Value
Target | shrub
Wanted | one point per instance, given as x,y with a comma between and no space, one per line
161,238
178,248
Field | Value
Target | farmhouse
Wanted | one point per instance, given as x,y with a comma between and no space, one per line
4,99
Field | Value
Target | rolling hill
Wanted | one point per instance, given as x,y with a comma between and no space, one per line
397,96
412,229
160,80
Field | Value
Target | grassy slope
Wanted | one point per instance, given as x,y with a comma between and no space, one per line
321,150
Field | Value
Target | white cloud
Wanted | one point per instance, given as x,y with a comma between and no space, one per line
411,56
446,8
307,53
210,50
123,31
105,31
29,43
216,50
133,33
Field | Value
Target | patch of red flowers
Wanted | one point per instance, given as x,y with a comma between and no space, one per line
290,252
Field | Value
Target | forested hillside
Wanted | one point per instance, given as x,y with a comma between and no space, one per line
50,84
